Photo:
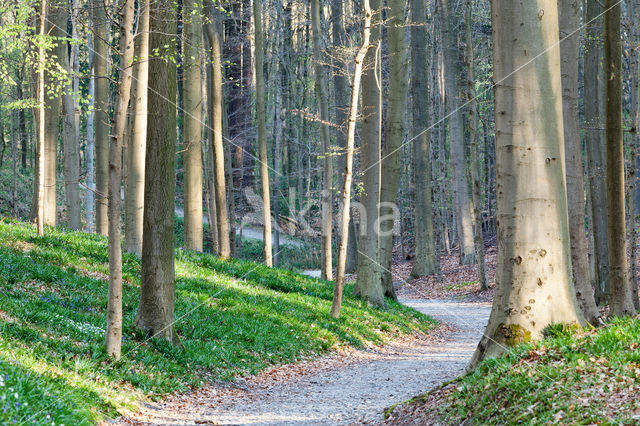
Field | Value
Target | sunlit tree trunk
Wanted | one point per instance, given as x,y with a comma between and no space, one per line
217,148
569,11
134,185
41,120
89,150
462,203
262,132
156,309
327,160
348,168
192,134
114,301
620,298
101,115
534,287
70,142
369,285
393,136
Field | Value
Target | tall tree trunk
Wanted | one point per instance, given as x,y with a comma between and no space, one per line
425,261
569,11
101,124
341,98
217,148
262,131
157,291
114,301
476,185
621,303
327,160
70,143
89,150
534,287
369,285
134,185
393,136
634,15
594,136
448,31
40,173
346,188
192,133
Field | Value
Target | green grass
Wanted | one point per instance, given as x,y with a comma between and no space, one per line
294,258
571,377
235,317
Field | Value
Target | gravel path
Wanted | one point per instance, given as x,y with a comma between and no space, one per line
341,389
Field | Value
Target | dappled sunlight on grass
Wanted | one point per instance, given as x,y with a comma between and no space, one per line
233,318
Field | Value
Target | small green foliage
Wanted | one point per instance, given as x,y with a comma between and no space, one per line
571,377
233,317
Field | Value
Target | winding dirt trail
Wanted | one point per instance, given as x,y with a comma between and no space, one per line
355,387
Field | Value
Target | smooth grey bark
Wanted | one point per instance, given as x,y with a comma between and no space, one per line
70,142
476,185
327,160
135,157
425,261
569,12
89,150
534,286
192,130
217,148
620,298
41,120
348,168
157,290
262,132
368,284
101,114
393,136
595,143
462,202
113,341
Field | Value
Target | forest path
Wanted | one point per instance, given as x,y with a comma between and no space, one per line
341,389
248,232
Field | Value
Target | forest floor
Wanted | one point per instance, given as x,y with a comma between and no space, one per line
354,386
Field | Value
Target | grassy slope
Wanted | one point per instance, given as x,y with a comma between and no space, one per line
234,317
570,377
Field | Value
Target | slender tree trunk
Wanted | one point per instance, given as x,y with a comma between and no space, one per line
448,30
217,148
57,25
621,303
594,136
101,124
14,161
393,136
369,285
71,144
348,173
134,185
89,202
425,261
114,302
41,120
327,166
634,15
192,133
569,11
262,131
157,291
476,185
534,287
24,147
